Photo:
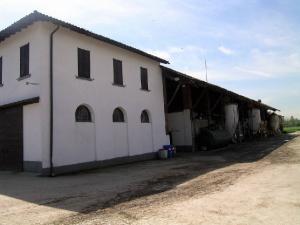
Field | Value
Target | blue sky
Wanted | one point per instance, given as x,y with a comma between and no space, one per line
251,47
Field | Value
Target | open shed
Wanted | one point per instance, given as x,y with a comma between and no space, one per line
194,107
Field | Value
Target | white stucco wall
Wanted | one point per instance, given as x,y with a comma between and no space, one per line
32,135
120,140
111,139
181,128
144,139
78,142
14,90
36,135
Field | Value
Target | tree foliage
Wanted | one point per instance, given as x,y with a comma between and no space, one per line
291,122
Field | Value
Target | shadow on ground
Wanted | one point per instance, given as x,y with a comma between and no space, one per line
99,189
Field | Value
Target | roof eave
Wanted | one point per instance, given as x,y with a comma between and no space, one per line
37,16
206,84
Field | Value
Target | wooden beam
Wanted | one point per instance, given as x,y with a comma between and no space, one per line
174,94
199,98
216,103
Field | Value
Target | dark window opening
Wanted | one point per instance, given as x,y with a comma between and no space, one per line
83,114
145,117
144,79
118,116
84,67
24,60
118,73
1,71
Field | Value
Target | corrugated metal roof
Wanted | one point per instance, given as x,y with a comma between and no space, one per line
216,88
37,16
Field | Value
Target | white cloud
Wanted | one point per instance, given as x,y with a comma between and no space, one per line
162,54
252,72
170,52
91,13
275,62
226,51
175,50
175,30
214,75
83,13
185,49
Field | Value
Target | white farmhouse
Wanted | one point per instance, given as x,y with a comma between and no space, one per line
71,99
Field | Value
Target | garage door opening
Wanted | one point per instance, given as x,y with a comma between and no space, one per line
11,138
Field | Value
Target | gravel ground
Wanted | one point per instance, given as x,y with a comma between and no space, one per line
250,183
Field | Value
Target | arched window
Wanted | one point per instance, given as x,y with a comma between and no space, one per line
83,114
118,116
145,117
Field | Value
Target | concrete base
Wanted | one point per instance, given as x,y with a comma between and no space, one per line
32,166
73,168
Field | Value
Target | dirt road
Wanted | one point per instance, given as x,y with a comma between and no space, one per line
249,183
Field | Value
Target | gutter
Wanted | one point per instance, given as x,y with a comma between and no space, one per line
51,173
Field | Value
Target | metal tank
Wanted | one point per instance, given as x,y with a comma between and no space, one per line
213,138
231,118
255,120
274,123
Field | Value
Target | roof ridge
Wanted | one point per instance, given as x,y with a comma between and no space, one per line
38,16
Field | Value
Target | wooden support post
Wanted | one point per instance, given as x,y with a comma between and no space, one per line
188,104
187,96
208,108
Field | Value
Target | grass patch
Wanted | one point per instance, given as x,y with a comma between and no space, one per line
291,129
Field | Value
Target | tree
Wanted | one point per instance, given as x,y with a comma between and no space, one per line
291,122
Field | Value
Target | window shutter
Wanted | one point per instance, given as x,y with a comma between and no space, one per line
84,63
118,72
24,60
0,70
87,67
144,78
80,65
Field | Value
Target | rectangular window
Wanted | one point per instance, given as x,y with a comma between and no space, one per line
1,71
84,67
118,73
144,79
24,60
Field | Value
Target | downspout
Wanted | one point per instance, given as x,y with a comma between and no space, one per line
51,173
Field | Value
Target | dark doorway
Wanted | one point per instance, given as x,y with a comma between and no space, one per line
11,138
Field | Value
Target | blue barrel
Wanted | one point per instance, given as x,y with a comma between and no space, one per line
171,150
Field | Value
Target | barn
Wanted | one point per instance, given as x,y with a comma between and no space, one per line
71,99
203,115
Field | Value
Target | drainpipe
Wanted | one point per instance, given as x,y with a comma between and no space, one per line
51,173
